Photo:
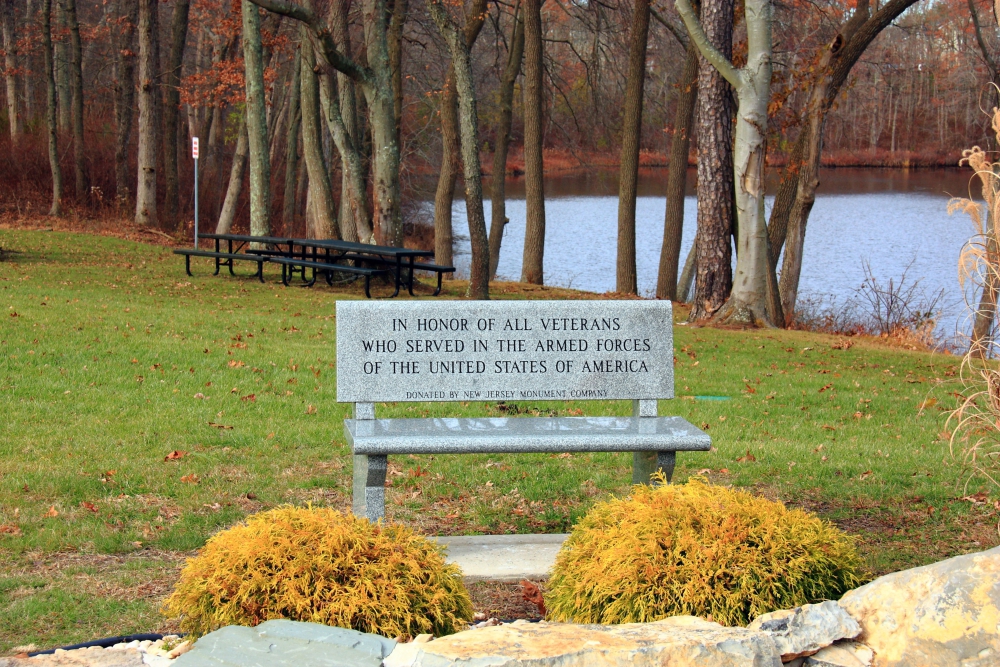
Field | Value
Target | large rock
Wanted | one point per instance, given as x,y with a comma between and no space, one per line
805,630
681,641
841,654
941,615
287,644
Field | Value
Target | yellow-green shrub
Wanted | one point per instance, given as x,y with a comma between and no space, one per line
696,549
322,566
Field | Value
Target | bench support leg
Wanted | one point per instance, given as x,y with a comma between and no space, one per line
644,464
369,486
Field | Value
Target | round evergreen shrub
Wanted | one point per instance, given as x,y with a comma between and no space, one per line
696,549
321,566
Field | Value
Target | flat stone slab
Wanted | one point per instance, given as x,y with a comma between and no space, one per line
504,350
282,643
503,557
519,435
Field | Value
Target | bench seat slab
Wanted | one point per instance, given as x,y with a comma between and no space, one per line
373,440
505,435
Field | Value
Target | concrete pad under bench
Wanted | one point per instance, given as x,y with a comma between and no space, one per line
503,557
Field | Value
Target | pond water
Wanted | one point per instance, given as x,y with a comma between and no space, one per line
889,218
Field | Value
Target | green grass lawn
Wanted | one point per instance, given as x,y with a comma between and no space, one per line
111,359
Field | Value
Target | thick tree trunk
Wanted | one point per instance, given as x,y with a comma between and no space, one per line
400,8
228,212
145,196
292,141
687,274
123,41
532,264
10,65
76,101
357,225
479,272
29,85
348,107
171,108
713,258
498,210
680,146
320,194
50,108
451,145
748,303
777,226
628,180
444,195
256,113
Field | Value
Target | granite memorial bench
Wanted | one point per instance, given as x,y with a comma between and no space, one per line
507,351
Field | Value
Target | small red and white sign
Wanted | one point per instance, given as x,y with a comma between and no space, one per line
194,147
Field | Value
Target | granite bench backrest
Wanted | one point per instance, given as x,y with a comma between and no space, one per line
503,351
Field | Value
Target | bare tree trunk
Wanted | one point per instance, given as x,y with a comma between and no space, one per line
628,180
348,107
713,258
145,196
499,196
532,264
123,41
320,195
62,72
444,195
400,9
256,113
228,213
687,273
450,145
777,227
991,63
982,328
292,140
836,63
680,146
50,108
171,107
10,65
748,303
76,96
29,88
479,273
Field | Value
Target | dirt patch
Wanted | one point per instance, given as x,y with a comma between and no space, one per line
503,601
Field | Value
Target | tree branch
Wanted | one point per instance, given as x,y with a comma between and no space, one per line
709,52
676,31
329,48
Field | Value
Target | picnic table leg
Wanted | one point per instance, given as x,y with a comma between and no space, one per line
368,283
399,275
217,263
438,290
260,271
187,264
229,261
412,277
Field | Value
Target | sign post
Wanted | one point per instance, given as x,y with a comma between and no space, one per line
194,154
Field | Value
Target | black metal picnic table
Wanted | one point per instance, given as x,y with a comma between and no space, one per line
399,261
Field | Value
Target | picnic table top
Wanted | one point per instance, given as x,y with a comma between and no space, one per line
350,246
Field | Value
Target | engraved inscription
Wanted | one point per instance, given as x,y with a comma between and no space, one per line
503,350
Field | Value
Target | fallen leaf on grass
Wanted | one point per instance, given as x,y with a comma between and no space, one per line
249,397
52,513
9,529
858,415
311,410
89,506
866,474
926,403
748,457
750,390
236,363
723,471
222,426
564,455
704,471
976,498
190,479
214,507
842,345
827,427
201,396
818,449
825,387
174,455
532,594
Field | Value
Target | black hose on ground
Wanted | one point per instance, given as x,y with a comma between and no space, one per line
103,643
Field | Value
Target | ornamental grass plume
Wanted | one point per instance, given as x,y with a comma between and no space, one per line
696,549
321,566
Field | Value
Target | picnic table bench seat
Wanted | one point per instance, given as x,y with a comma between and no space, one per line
223,259
326,268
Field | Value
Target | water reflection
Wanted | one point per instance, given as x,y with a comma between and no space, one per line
888,217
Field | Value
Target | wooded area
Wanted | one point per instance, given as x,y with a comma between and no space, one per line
320,118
